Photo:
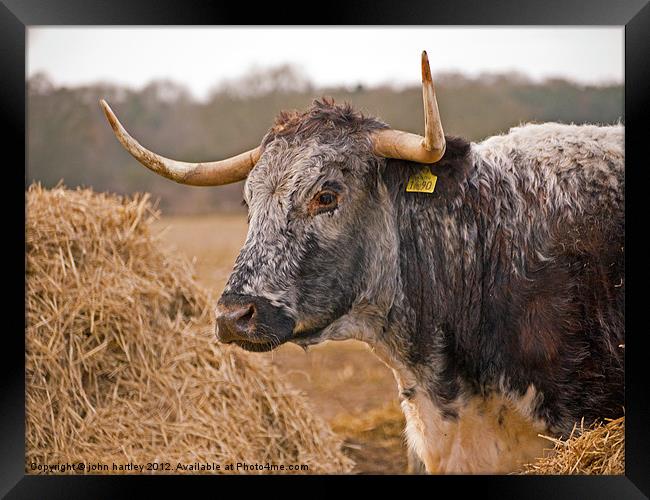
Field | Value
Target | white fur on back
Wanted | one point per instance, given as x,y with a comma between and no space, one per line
551,141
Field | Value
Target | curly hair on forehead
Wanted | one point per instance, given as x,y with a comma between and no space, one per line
324,118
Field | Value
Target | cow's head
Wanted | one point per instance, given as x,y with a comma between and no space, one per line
317,244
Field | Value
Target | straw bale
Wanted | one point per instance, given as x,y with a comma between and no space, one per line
121,361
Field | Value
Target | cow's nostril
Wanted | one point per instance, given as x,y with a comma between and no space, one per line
246,317
234,322
250,322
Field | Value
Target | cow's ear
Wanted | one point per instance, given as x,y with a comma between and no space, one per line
441,181
452,170
456,163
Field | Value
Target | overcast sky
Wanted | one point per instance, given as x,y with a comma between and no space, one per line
201,57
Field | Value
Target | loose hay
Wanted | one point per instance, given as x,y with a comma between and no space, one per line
375,439
596,450
121,362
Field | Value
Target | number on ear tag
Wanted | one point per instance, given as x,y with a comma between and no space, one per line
422,181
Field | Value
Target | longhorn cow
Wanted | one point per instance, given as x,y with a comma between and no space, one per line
488,276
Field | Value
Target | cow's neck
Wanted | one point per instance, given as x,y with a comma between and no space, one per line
445,258
440,275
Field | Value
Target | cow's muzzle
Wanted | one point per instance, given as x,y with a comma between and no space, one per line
253,323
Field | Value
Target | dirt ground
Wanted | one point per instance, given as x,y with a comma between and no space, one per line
346,383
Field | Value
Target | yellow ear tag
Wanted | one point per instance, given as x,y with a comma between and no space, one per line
422,181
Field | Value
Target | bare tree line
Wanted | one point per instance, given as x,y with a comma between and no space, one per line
69,140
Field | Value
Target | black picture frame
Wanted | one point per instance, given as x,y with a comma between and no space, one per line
17,15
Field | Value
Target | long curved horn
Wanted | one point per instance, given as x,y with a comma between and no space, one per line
213,173
406,146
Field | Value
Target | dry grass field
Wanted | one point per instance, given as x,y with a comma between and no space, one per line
347,385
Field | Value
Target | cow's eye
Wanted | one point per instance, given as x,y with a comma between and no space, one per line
325,201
